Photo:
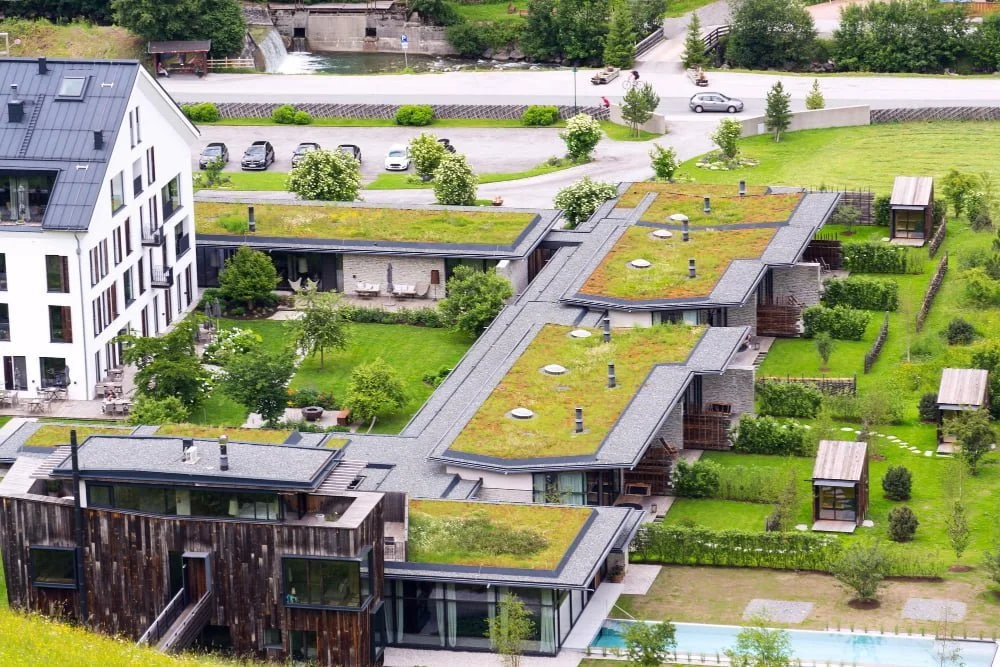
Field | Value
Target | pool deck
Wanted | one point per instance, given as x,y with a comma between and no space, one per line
593,616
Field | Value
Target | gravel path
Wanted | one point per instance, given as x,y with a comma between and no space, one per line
934,609
778,611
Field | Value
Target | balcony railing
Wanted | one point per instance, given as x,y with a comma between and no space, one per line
3,281
170,207
152,237
160,277
137,185
4,330
182,244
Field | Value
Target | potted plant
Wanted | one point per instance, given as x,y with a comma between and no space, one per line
312,413
617,574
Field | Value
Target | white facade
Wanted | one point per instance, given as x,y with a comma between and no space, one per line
103,279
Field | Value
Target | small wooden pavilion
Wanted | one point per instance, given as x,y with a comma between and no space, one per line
911,210
840,486
960,389
190,57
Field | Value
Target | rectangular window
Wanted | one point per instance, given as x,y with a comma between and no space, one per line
57,273
60,324
323,582
117,191
272,638
53,372
142,276
116,245
131,129
99,495
4,321
302,645
127,287
3,272
150,165
104,258
138,132
95,266
171,197
53,567
128,236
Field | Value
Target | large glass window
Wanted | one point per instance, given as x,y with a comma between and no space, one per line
837,503
564,488
53,567
324,582
302,645
4,321
170,195
57,273
185,502
60,324
54,372
118,191
3,272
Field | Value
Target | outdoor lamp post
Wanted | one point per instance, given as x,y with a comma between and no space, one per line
575,109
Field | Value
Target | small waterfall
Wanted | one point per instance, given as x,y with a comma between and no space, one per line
273,49
299,45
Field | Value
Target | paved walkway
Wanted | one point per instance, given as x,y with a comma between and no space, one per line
593,616
407,657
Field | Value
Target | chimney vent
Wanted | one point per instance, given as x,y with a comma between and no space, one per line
186,444
15,107
684,231
612,381
708,205
190,452
743,188
251,221
223,452
43,67
98,140
691,270
607,328
579,420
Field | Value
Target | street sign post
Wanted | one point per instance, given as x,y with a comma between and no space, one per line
404,42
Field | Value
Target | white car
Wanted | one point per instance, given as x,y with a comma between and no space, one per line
398,158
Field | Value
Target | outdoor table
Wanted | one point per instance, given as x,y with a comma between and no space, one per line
34,405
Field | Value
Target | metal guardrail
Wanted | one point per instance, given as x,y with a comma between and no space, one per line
163,622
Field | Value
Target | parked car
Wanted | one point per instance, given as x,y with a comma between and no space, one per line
213,151
447,145
714,102
302,149
352,150
398,158
259,156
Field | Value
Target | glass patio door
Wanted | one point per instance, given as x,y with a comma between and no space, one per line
837,503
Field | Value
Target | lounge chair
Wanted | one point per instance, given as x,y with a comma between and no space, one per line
421,290
296,284
367,290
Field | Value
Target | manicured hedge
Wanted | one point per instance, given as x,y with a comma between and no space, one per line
767,435
876,257
422,317
537,115
789,399
205,112
699,479
415,114
840,322
862,293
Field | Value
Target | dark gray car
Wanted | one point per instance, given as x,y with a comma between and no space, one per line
714,102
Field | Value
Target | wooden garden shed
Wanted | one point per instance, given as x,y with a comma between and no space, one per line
840,486
911,210
960,389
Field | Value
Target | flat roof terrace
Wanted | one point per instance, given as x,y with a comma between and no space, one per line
557,373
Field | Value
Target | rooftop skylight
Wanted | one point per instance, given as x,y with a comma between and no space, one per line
72,87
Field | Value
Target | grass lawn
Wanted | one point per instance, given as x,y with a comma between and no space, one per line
719,514
617,132
864,156
521,536
677,8
4,420
412,351
493,432
77,39
413,182
55,435
252,180
490,11
376,224
668,277
256,435
727,206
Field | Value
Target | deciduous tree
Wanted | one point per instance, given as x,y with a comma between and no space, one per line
975,435
426,152
861,569
454,182
649,644
579,201
218,20
759,646
166,366
509,629
374,389
957,525
321,327
247,277
259,380
326,176
474,299
769,33
727,136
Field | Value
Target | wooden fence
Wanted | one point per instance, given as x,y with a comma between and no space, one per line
829,386
863,200
872,355
231,63
932,289
825,249
937,239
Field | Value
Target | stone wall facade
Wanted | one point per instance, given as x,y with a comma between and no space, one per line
735,387
801,281
745,315
516,271
405,271
934,113
388,111
673,429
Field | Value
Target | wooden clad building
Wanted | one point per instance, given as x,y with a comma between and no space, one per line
840,485
911,209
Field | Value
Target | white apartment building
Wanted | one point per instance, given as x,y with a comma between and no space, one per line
96,218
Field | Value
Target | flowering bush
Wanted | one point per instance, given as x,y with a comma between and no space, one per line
228,342
304,398
454,182
327,176
580,200
426,152
581,135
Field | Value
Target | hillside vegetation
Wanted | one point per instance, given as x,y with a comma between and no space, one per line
78,39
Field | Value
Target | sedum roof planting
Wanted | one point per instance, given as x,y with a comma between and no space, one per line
311,221
493,432
727,206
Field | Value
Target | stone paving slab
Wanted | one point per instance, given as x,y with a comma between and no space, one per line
639,578
779,611
934,609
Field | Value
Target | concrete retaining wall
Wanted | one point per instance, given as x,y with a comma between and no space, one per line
386,111
656,124
934,113
812,120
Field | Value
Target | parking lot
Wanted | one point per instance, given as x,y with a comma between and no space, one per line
489,150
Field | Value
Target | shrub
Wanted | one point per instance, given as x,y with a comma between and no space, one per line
283,115
420,317
840,322
540,116
581,136
454,182
814,99
876,257
435,379
248,278
767,435
939,211
754,484
152,410
302,118
474,299
326,176
228,342
579,201
414,114
727,136
426,152
664,161
861,568
205,112
980,288
375,388
959,332
696,480
788,399
897,483
882,210
304,398
466,38
928,407
862,293
902,524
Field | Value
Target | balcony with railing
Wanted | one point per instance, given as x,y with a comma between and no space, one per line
162,277
182,244
152,237
708,427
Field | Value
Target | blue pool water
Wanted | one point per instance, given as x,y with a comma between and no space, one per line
835,647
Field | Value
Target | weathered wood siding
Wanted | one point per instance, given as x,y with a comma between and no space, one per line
128,576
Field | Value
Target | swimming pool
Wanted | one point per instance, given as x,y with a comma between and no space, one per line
862,650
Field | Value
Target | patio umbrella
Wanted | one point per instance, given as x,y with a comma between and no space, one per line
388,276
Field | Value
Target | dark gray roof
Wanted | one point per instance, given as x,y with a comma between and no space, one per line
58,135
608,527
523,245
156,459
179,47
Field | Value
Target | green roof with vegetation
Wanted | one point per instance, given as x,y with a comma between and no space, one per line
257,435
492,431
57,435
363,224
727,206
534,537
667,275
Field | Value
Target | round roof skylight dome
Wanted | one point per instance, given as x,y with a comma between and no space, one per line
640,264
579,333
663,233
678,218
554,369
521,413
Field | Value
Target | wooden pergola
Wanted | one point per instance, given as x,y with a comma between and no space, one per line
190,57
